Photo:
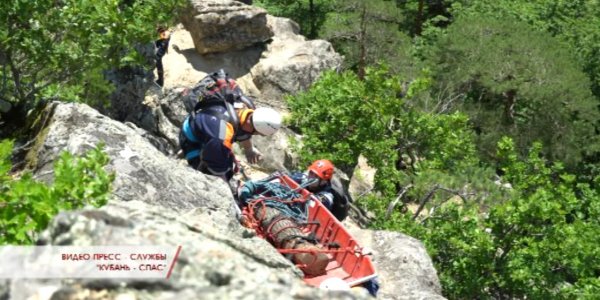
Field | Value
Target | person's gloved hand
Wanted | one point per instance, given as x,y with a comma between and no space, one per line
252,155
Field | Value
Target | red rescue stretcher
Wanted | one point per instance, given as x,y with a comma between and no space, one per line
347,259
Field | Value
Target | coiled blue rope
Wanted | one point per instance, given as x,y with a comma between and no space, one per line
296,210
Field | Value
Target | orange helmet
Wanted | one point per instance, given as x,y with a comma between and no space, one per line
323,168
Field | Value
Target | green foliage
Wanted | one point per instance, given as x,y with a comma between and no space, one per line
546,232
539,243
27,206
576,22
363,116
534,239
367,33
343,117
336,106
309,14
462,250
517,81
420,12
61,48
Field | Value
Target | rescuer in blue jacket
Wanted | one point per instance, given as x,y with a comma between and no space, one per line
207,137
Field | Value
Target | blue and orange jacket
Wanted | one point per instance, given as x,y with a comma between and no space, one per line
212,136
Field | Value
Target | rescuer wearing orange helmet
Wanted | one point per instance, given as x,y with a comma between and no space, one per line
318,180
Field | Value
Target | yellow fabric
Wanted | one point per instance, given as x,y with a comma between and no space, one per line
244,114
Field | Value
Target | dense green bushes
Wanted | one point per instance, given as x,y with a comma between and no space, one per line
26,205
540,242
342,117
501,217
535,238
529,70
61,49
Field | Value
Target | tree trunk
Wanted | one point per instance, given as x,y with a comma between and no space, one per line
286,235
419,18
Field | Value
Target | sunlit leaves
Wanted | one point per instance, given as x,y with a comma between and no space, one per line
27,206
543,240
67,45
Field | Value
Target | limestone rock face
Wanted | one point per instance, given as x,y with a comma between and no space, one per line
363,178
217,260
142,171
291,63
405,269
131,84
225,25
162,116
287,65
276,150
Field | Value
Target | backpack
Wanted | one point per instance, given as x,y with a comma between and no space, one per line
215,89
341,200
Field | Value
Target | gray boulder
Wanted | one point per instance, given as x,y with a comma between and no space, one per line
130,84
173,106
142,172
225,25
405,269
291,63
163,115
217,260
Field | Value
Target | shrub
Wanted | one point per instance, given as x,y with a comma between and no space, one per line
27,205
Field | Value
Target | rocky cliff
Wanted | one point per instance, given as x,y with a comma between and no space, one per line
158,199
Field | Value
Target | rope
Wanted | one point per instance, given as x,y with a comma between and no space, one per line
292,205
295,208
